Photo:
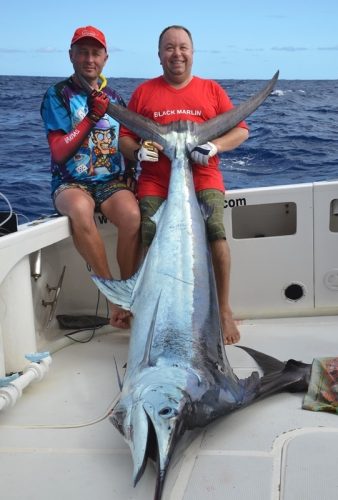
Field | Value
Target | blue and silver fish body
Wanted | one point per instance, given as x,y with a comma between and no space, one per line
178,376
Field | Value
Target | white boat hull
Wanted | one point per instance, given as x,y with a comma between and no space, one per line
56,441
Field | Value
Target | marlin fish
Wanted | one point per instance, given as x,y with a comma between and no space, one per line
178,377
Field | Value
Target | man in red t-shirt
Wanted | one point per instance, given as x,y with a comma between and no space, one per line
178,95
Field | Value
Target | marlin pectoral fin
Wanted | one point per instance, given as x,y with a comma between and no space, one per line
118,292
234,394
249,387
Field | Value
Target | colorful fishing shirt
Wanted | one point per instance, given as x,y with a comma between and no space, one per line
98,160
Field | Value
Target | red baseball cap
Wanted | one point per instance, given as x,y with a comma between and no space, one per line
89,32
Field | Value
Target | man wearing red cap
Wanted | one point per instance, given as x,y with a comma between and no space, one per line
88,172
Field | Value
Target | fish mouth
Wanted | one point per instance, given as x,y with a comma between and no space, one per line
153,434
161,443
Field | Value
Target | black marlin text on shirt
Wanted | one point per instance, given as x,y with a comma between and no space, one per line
176,112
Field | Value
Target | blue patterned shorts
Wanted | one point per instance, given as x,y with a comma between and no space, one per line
100,192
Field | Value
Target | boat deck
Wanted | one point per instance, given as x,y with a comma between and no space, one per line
58,443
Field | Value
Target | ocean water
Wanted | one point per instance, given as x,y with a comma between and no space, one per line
293,138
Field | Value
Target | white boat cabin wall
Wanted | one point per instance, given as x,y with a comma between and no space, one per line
284,254
284,243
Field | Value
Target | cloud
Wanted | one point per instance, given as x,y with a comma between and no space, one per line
210,51
44,50
115,49
334,47
290,49
250,49
47,50
11,51
299,49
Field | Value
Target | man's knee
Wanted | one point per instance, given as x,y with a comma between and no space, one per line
214,200
131,220
148,231
135,216
215,231
73,200
149,206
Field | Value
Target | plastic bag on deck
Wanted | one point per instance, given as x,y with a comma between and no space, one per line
322,393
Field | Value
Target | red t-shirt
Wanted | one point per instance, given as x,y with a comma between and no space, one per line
198,101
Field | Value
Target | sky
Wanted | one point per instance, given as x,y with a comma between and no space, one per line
232,39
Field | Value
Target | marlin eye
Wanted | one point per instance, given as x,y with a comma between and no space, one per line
167,412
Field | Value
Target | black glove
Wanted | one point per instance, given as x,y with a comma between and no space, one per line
98,103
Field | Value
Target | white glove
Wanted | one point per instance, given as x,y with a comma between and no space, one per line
147,152
201,153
